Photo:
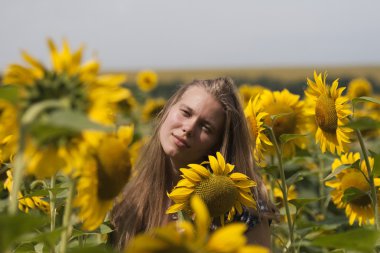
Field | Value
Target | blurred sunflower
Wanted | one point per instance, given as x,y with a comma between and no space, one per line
76,87
222,191
369,111
146,80
278,195
359,87
359,208
8,130
151,108
247,92
102,177
331,114
255,117
184,236
26,203
292,118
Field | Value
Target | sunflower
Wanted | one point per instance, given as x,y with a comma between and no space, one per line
247,91
291,119
255,117
26,203
331,113
184,236
146,80
151,108
359,87
77,87
222,190
278,195
102,176
359,208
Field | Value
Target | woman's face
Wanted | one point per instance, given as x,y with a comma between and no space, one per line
192,128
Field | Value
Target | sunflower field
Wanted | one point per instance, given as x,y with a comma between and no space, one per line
70,135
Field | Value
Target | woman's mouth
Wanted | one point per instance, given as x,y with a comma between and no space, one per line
180,142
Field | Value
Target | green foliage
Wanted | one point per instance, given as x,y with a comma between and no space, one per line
360,240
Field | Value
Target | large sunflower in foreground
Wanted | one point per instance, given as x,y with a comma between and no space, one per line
72,86
255,117
359,208
103,175
221,190
291,117
186,237
331,112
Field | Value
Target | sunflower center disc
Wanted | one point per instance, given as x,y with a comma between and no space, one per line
325,114
219,193
357,180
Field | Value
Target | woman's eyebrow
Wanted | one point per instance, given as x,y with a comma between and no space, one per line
186,107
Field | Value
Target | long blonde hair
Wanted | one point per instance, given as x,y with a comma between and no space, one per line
144,198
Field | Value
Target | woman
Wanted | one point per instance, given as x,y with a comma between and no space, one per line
201,118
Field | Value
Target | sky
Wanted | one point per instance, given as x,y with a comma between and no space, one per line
180,34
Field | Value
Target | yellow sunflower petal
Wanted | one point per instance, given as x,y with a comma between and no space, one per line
175,208
180,194
227,239
221,161
202,218
191,175
237,176
200,169
214,165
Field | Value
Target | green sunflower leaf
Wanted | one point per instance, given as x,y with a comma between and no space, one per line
352,193
284,138
366,99
296,177
271,170
363,123
13,228
49,238
75,120
361,239
300,202
292,210
341,168
101,248
275,116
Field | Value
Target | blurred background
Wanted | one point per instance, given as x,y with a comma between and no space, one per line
273,43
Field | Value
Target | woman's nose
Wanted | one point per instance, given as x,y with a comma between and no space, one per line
188,127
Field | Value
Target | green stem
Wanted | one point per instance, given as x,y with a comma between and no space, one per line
284,188
18,171
322,188
52,207
67,217
370,177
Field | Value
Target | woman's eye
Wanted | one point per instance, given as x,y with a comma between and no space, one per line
185,113
206,128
